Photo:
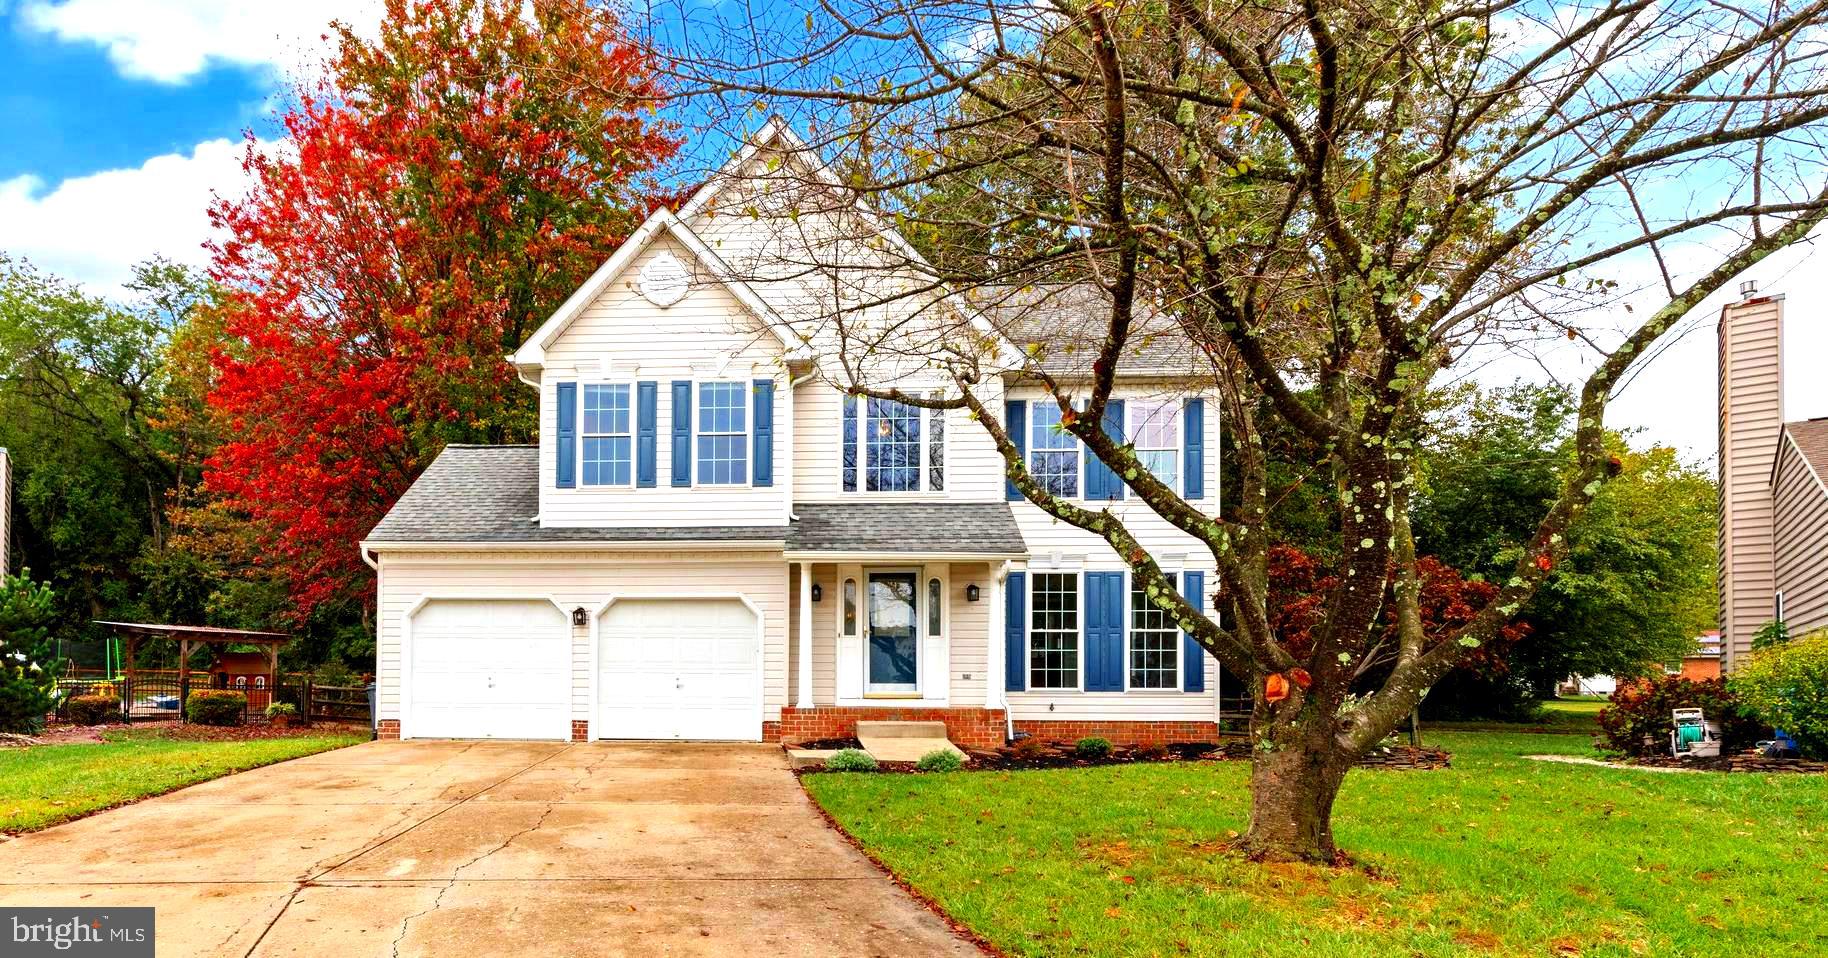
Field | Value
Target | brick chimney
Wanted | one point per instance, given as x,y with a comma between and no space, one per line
1751,423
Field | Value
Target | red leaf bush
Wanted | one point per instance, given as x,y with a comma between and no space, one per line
1638,722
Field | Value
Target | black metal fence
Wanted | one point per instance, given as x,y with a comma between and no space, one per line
159,694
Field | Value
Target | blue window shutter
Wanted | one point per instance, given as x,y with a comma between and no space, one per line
1104,596
568,436
1100,481
763,436
647,449
1015,630
1015,422
1193,657
682,432
1193,442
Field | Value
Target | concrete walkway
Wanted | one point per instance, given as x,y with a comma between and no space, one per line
493,848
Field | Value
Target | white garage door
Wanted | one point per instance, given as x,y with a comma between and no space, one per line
498,668
679,669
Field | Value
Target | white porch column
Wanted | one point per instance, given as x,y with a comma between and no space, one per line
804,699
993,676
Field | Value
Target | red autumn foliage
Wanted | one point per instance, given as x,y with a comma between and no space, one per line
440,193
1299,584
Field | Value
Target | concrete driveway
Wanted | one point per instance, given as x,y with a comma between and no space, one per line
490,848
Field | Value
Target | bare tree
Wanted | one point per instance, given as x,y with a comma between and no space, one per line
1323,204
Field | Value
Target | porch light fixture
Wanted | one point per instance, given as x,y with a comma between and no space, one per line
579,617
971,592
817,593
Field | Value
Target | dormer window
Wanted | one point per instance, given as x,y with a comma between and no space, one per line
608,453
723,434
893,447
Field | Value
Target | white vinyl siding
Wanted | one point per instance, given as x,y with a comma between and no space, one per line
1800,565
623,338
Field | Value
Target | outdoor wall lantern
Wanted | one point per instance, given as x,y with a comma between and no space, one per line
817,593
971,592
579,617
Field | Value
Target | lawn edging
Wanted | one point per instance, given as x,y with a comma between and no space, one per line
22,813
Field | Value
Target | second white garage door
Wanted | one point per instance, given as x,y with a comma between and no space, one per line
494,668
679,669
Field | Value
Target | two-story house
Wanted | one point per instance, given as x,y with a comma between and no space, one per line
710,540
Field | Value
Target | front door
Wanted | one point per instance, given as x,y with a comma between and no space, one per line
894,634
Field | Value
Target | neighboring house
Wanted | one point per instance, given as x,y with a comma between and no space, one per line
1773,487
1704,662
710,541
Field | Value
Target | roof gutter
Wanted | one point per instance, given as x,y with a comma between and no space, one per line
815,555
574,545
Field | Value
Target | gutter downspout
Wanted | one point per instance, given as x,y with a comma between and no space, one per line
368,557
1009,719
793,386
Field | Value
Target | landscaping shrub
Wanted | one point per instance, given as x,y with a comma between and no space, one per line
28,677
1787,686
851,760
940,760
1093,748
282,712
1642,708
1029,749
91,709
215,707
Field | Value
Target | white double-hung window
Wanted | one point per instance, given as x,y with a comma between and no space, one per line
1053,453
723,434
609,448
1155,433
1155,644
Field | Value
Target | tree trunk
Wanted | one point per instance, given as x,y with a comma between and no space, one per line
1291,803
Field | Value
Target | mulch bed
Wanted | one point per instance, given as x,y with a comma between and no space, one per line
1747,761
1033,754
63,734
820,744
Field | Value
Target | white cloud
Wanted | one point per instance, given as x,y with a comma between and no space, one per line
174,40
92,229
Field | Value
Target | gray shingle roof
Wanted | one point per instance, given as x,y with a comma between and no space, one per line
491,494
1811,437
976,528
1061,325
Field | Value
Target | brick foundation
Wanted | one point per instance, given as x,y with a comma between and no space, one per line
975,728
580,730
1122,733
388,729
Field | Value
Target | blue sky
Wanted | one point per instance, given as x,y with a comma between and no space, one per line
66,110
120,119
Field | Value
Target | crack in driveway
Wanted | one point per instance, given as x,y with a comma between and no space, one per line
311,879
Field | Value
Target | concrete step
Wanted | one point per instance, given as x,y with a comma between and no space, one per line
901,730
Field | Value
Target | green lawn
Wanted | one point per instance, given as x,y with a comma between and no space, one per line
47,784
1498,855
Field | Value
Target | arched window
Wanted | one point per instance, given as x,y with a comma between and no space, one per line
260,681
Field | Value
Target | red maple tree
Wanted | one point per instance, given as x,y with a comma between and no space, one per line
436,196
1299,585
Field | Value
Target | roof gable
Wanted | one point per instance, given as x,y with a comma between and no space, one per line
662,223
1809,440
